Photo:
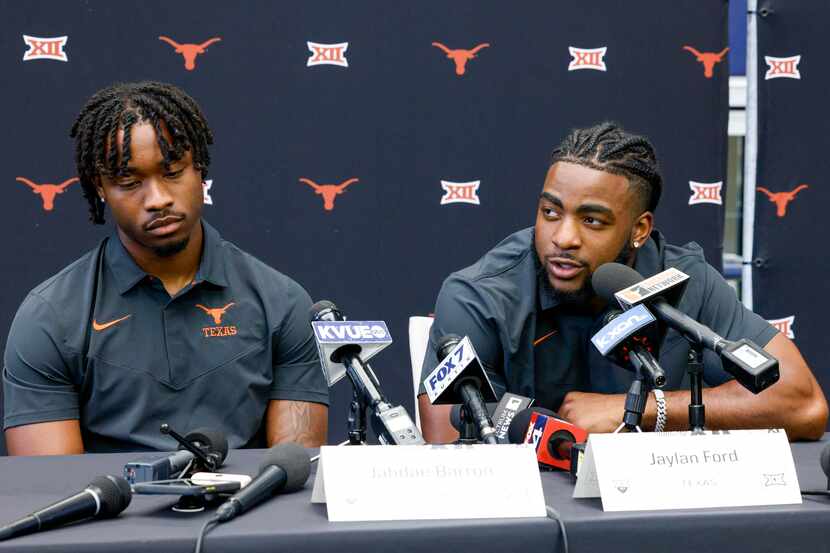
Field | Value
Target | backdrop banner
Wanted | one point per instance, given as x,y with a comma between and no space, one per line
369,149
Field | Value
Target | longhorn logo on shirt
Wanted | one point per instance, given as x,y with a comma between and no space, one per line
784,326
45,48
587,58
459,56
782,68
47,192
781,199
708,59
328,191
460,192
217,313
706,193
189,51
327,54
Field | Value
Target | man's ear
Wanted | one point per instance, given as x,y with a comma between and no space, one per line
642,228
99,188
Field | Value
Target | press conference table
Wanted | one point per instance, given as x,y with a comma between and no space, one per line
290,523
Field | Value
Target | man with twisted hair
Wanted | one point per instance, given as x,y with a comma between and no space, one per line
529,309
164,321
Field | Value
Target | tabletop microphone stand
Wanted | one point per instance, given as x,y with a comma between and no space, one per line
635,404
357,419
469,432
697,413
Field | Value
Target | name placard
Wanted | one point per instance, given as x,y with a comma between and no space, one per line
681,470
373,483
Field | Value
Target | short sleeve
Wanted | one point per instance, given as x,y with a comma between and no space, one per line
460,309
37,379
297,372
727,316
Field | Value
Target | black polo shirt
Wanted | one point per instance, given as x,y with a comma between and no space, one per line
103,342
531,345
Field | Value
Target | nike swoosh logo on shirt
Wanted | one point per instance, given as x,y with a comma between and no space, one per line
538,341
99,327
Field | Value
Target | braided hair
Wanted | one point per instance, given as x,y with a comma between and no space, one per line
607,147
121,106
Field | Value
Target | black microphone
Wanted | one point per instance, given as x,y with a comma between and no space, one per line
630,340
105,497
285,469
392,424
750,364
466,387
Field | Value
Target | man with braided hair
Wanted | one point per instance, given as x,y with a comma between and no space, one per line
529,309
164,321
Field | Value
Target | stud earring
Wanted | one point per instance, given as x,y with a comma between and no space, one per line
636,244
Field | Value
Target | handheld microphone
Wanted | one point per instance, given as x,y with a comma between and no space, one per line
285,469
392,424
630,340
501,413
750,364
211,444
460,379
104,497
552,436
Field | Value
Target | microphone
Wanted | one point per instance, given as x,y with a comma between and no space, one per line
552,436
501,413
750,364
105,497
211,446
391,424
285,469
460,379
630,340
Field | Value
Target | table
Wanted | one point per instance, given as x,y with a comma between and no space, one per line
291,523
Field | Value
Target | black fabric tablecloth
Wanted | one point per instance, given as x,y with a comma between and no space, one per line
290,523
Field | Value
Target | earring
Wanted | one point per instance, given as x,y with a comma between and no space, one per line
636,244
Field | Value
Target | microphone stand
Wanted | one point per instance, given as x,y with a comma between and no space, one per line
357,419
697,413
635,404
469,432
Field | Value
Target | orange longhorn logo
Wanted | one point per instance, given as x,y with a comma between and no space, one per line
781,199
189,51
460,56
708,59
328,191
216,312
47,191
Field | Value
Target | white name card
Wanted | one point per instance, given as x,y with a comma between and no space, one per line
681,470
372,483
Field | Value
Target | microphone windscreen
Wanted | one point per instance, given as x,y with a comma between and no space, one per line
610,278
517,430
445,345
212,439
116,494
291,458
324,310
825,460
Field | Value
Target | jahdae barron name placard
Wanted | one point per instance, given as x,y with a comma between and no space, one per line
681,470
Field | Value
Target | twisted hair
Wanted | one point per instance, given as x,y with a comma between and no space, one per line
121,106
607,147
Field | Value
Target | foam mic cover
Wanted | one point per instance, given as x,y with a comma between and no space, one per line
114,492
294,460
518,427
325,310
825,460
610,278
212,440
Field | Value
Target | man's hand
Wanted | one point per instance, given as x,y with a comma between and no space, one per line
594,412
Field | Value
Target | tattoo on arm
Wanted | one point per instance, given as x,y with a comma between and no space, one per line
297,421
